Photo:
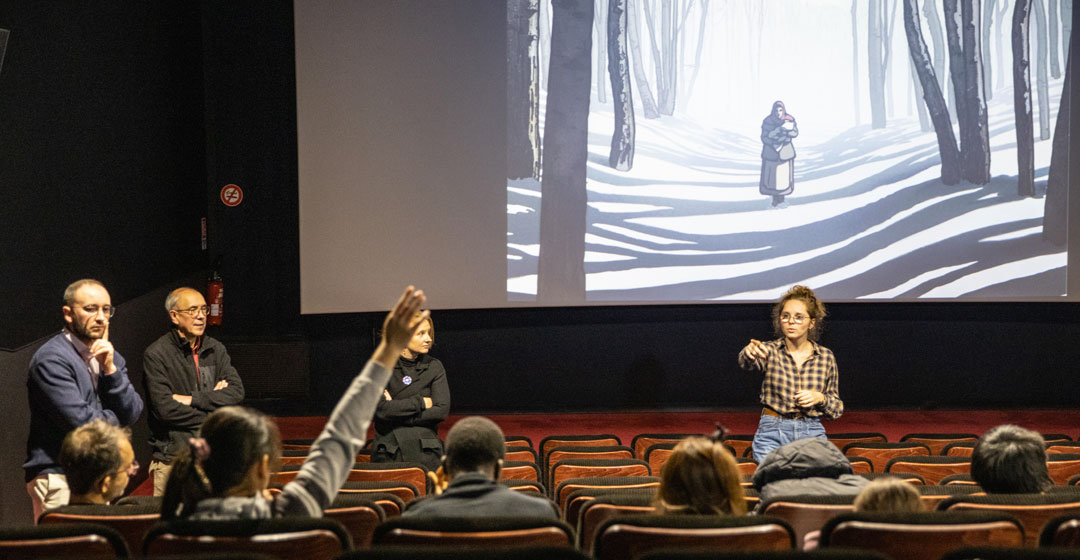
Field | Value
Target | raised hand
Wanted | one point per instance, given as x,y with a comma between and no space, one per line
399,326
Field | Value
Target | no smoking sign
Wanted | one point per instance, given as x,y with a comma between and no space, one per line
231,195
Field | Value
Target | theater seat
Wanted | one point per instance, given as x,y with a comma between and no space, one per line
807,513
596,512
641,442
358,514
932,469
879,453
594,468
1032,510
629,537
287,537
1062,531
69,540
921,535
937,441
132,522
468,532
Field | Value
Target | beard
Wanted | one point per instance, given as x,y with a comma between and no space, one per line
84,331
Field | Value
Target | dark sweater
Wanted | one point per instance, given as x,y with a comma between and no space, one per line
169,369
62,397
475,495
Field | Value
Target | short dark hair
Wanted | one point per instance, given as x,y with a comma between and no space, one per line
69,292
1010,460
91,452
473,444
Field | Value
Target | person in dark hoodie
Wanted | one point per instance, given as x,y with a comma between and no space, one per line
808,466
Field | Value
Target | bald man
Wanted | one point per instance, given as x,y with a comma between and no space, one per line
188,375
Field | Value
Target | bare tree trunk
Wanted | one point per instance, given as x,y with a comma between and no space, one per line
987,66
1055,68
522,90
890,25
999,41
621,156
700,45
941,69
599,23
935,101
648,102
1025,129
563,203
663,44
957,76
670,36
1066,23
545,41
962,31
855,60
1056,207
924,117
975,149
988,20
876,66
1042,86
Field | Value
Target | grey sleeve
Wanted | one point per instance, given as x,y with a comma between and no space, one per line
332,455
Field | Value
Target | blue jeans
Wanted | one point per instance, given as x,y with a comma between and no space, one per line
772,432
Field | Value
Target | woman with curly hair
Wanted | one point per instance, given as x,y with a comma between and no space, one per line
801,382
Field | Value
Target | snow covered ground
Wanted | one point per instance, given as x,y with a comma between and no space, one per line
869,218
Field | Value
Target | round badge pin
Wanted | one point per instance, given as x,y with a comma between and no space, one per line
407,380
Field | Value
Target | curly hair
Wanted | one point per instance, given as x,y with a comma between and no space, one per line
814,307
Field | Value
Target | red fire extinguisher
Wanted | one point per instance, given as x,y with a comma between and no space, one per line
215,295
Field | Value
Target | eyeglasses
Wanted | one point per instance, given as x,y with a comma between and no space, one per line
108,310
796,319
131,470
194,311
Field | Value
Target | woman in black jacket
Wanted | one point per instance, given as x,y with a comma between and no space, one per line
415,401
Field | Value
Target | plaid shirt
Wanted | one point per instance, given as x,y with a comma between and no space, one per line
782,380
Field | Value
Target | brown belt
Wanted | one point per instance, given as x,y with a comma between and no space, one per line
770,412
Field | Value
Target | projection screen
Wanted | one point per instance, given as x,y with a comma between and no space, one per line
428,132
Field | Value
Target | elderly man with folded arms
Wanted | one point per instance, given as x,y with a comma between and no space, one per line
188,375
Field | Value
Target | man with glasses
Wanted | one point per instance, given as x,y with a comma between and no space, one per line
98,462
188,375
75,377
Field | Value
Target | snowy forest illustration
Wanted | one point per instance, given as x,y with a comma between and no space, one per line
931,158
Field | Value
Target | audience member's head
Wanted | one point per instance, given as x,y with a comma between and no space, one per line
889,494
238,450
474,445
1010,460
700,477
98,461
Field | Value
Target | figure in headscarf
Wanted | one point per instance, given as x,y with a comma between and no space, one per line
777,154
